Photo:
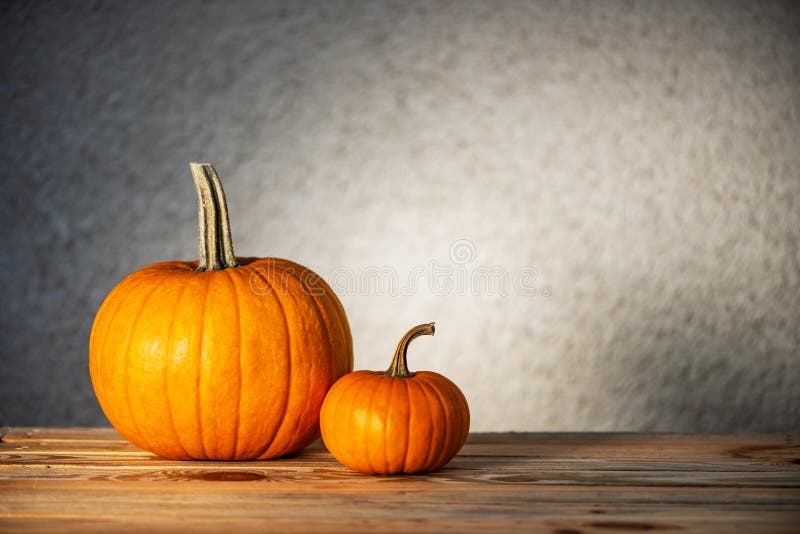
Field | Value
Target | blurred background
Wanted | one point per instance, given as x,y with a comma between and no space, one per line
612,190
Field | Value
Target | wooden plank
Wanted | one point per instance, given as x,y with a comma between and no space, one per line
228,500
243,500
468,470
17,434
92,480
541,445
98,463
731,524
407,490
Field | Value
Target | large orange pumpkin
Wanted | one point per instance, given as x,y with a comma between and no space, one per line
226,358
395,421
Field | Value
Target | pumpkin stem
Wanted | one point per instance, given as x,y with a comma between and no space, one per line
399,367
214,240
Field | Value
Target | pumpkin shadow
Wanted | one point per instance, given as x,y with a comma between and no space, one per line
469,463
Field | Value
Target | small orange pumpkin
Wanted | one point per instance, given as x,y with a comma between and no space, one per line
226,358
395,421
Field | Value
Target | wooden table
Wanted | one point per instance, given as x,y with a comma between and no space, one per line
92,480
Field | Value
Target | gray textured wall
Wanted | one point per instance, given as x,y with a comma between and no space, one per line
642,157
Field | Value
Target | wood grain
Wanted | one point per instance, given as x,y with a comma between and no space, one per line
92,480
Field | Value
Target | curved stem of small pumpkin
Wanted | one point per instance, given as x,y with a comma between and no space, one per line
214,241
399,367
